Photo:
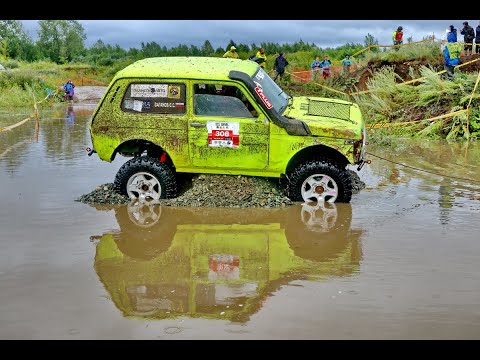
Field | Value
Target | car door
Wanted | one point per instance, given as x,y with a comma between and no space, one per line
227,129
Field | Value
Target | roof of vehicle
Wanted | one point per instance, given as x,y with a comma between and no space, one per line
191,67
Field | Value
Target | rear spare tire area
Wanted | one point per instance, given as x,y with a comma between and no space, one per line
319,180
146,178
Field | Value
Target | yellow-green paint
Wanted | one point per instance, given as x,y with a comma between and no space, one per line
186,67
264,147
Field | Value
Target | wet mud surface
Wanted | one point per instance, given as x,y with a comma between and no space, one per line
400,261
88,94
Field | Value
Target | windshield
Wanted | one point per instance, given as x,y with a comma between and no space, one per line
268,90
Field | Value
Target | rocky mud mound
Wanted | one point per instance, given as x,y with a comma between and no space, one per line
215,191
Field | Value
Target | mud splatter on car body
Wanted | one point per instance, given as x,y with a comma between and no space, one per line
224,116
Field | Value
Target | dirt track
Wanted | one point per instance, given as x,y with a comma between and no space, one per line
89,94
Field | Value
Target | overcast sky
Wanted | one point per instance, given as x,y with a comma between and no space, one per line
324,33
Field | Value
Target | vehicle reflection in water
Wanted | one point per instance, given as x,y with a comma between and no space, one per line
166,262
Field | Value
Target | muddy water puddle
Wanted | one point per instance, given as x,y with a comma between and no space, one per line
399,262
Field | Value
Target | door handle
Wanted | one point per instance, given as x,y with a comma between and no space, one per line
197,125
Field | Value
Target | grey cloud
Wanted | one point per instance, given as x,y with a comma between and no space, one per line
324,33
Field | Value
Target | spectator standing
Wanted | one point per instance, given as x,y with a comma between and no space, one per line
346,63
468,36
279,66
316,67
261,55
451,54
326,67
232,53
450,31
397,37
477,39
69,87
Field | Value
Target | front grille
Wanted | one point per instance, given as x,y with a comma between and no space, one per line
328,109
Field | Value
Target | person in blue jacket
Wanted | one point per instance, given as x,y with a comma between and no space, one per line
279,66
451,54
346,63
69,90
316,67
451,29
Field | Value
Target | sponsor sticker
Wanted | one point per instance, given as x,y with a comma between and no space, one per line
137,105
168,105
265,100
223,134
259,76
149,90
128,104
174,92
164,105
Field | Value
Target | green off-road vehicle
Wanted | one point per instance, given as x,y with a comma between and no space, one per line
224,116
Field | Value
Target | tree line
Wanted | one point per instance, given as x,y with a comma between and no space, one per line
63,42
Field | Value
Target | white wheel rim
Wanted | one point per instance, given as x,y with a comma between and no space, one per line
144,213
319,188
144,187
320,217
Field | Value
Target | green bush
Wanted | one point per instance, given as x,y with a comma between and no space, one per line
105,61
19,87
10,64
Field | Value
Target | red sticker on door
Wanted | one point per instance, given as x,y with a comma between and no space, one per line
223,134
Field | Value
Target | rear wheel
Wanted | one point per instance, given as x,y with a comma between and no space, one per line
146,178
320,181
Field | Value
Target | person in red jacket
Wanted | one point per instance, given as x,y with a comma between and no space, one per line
397,37
326,67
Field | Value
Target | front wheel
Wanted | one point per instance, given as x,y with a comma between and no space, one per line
146,178
320,181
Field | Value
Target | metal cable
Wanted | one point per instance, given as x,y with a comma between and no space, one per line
427,171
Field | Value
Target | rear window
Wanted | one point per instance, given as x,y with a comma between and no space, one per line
157,98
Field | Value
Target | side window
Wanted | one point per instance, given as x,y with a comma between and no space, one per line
221,100
156,98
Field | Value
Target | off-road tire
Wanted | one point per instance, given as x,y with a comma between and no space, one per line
341,177
150,165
